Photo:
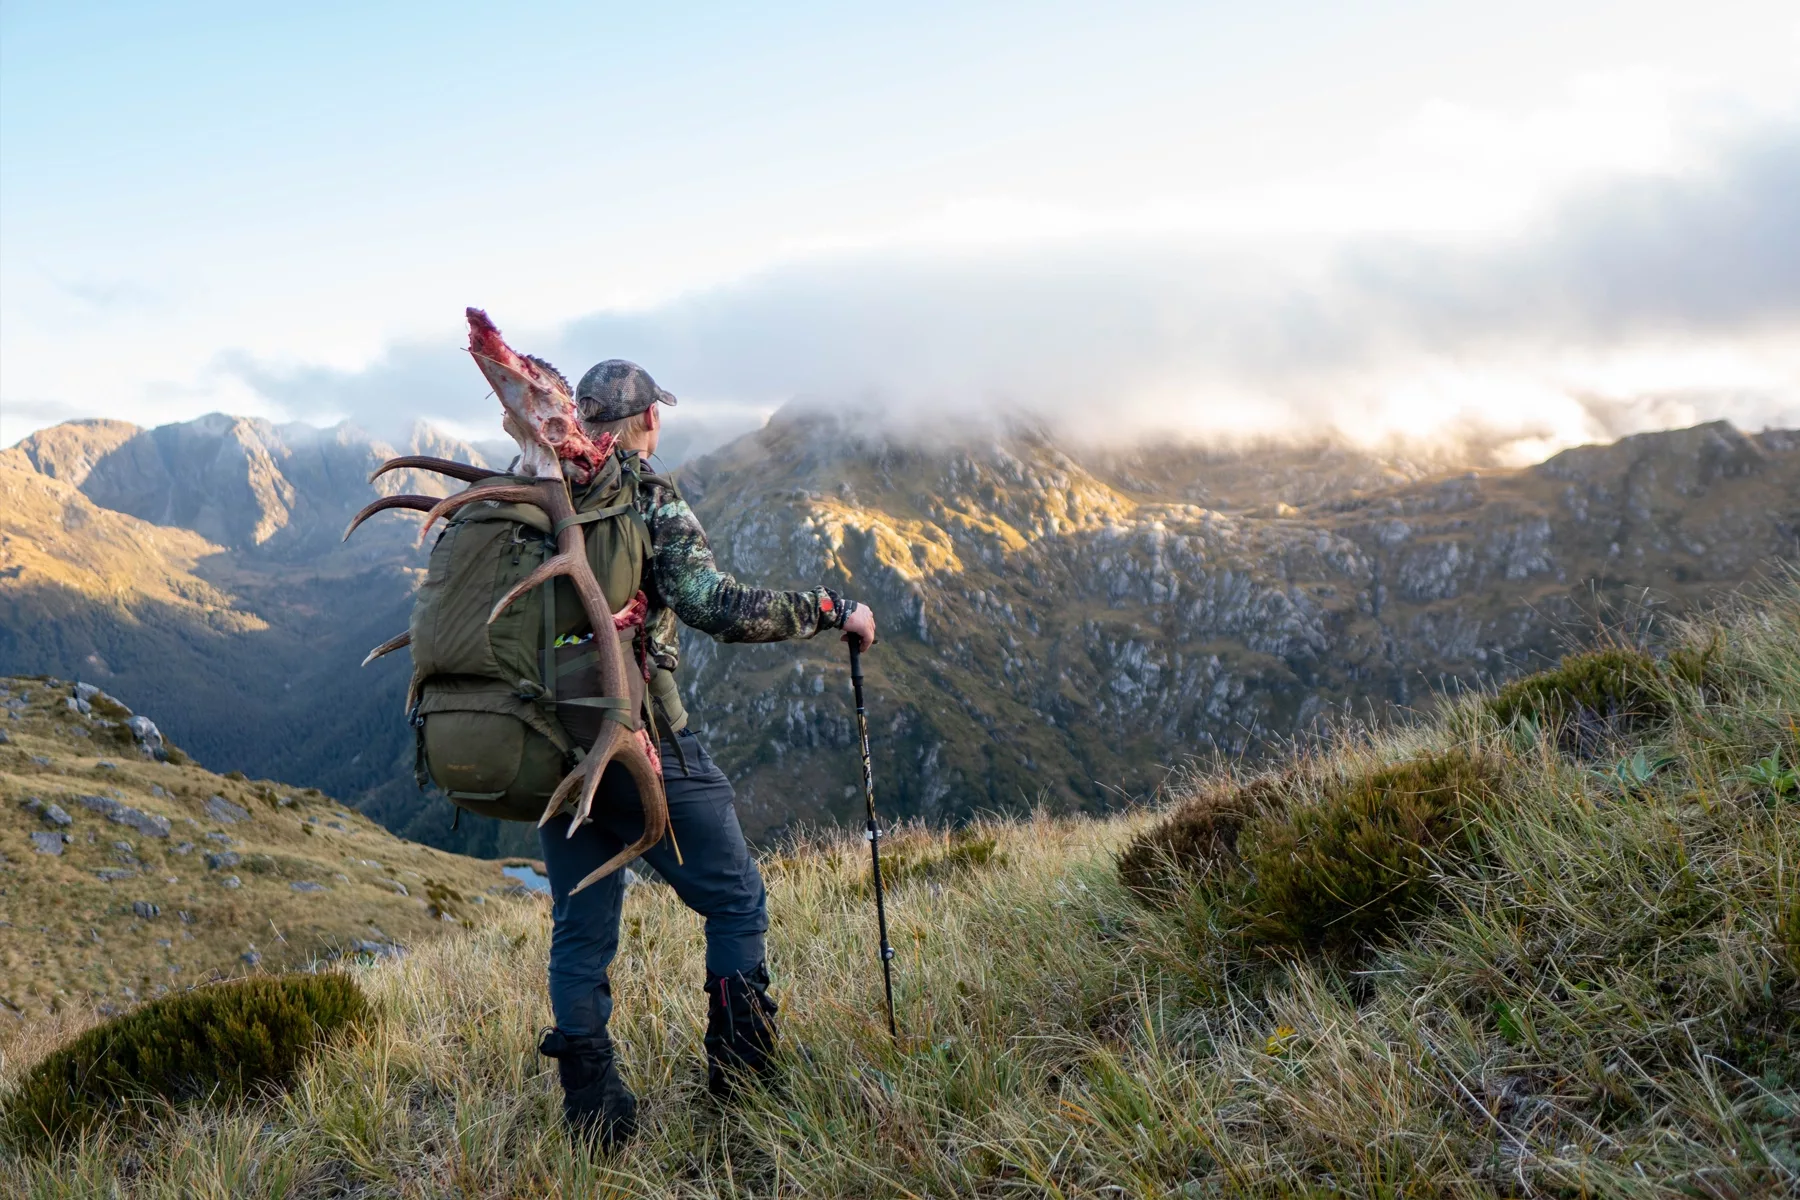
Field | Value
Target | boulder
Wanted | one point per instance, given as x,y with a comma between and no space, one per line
122,814
224,811
149,737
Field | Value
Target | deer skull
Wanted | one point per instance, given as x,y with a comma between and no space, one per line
540,414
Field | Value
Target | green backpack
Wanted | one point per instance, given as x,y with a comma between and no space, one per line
502,711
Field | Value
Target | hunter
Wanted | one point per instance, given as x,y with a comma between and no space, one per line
714,873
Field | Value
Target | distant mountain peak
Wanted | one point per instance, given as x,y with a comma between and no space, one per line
243,482
69,451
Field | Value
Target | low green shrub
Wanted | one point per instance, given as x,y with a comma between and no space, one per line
1589,695
1347,869
1199,839
955,853
214,1043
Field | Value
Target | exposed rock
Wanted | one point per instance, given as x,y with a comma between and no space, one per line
377,949
149,737
223,861
114,874
122,814
231,881
306,885
49,843
145,909
224,811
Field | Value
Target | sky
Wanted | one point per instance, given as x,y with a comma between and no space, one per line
1540,223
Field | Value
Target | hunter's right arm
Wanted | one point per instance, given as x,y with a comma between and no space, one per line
690,583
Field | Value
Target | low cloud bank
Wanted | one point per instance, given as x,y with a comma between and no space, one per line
1648,302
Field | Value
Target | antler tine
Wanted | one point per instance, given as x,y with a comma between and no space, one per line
547,570
576,778
416,503
656,820
388,647
500,495
467,472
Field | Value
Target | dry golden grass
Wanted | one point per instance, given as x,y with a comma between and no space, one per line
71,940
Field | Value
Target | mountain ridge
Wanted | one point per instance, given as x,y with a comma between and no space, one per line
1055,619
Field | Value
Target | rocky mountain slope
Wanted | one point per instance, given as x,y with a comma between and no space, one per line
1056,620
245,641
1052,634
127,870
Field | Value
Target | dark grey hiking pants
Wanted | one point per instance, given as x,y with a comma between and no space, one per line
716,878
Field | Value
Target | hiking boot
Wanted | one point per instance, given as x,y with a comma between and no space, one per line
597,1106
740,1031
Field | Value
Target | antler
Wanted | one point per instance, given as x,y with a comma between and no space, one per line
416,503
541,417
388,647
467,472
498,493
615,742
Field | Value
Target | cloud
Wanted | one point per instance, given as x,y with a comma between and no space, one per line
1648,300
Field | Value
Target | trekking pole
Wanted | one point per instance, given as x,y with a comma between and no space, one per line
862,730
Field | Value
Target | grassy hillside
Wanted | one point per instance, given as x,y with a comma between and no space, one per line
123,877
1589,985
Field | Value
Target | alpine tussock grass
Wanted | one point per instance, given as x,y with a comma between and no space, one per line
1567,966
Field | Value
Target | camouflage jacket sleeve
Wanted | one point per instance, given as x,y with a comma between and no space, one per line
689,582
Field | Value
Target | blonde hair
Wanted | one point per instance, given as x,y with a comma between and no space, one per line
622,428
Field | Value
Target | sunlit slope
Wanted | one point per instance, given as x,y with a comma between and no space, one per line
245,646
59,550
122,876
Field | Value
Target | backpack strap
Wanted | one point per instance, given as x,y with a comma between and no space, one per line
595,514
548,671
616,708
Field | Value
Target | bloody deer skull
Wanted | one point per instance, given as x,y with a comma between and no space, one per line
540,414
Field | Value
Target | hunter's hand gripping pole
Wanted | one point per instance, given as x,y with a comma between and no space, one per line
868,768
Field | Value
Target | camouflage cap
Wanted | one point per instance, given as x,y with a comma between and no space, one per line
616,389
